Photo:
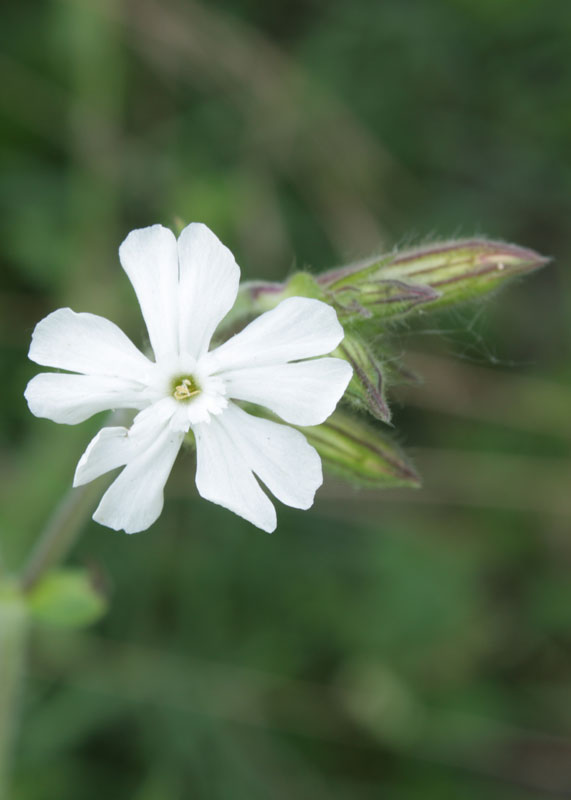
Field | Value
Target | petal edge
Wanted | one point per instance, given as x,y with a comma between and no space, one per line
297,328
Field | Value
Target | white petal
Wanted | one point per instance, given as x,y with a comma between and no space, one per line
304,393
149,257
108,450
86,343
135,499
280,456
209,278
115,447
223,477
297,328
74,398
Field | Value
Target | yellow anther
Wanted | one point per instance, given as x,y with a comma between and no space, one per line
185,390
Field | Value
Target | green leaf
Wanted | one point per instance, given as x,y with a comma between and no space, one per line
361,452
66,598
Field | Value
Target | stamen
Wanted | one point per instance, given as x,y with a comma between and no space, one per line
185,390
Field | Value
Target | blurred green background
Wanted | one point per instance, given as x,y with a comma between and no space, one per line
395,645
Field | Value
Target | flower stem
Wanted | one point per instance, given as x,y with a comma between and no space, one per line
60,533
62,529
13,636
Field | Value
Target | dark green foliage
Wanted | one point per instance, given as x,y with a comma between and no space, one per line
402,645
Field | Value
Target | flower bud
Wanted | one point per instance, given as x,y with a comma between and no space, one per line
435,276
255,297
367,294
367,388
361,452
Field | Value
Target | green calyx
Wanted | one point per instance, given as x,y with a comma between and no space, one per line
361,452
425,278
368,298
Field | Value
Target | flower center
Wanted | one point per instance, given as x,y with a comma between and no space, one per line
185,388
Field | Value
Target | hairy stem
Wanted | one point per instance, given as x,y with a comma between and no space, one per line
63,528
60,533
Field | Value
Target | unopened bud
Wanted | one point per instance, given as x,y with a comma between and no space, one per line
361,452
447,273
255,297
367,389
365,292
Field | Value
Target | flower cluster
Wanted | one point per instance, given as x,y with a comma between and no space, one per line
185,288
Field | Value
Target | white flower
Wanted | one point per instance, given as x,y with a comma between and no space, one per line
185,288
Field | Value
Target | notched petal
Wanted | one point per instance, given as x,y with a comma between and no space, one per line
299,327
88,344
149,256
70,399
303,393
208,285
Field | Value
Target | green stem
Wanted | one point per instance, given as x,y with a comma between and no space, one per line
60,533
13,636
50,549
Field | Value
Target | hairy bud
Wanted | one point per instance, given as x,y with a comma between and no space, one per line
432,277
367,389
361,452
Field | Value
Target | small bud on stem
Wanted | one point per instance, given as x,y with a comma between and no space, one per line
361,452
447,273
387,287
367,389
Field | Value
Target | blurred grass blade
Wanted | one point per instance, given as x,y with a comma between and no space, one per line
361,452
367,388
